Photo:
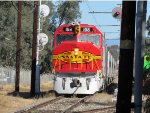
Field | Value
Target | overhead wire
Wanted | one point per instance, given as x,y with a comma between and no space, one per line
86,1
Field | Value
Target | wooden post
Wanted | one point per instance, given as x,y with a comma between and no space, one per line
34,47
18,47
125,77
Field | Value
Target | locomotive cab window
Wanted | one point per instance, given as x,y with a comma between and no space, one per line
95,39
65,37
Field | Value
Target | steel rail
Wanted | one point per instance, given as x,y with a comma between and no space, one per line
96,110
29,110
68,110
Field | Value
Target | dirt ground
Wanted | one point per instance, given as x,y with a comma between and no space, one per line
11,101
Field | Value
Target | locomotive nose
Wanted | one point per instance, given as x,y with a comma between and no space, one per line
75,83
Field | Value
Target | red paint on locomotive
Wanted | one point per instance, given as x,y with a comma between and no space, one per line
76,54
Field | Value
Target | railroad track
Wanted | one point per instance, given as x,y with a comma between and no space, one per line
32,108
66,105
100,110
56,105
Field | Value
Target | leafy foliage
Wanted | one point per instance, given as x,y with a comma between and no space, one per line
7,39
68,11
148,25
146,87
56,18
65,12
8,29
147,106
146,75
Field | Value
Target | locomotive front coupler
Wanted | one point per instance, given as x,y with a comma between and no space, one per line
75,83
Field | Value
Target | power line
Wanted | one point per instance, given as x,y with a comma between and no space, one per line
111,32
92,13
113,39
100,12
108,25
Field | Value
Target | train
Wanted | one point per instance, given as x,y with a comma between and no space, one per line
81,61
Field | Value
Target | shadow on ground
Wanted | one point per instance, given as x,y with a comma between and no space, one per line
28,95
110,89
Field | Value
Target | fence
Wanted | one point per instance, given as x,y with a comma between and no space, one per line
7,76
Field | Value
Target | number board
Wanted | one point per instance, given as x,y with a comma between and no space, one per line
68,29
86,29
83,29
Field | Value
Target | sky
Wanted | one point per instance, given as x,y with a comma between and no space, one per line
100,19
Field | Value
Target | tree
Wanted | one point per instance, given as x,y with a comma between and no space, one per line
68,11
8,33
8,29
65,12
146,75
148,25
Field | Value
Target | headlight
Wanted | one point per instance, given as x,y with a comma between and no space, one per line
76,50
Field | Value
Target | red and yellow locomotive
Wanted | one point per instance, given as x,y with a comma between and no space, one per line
78,59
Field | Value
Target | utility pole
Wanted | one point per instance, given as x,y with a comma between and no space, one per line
18,47
34,47
37,74
125,77
139,54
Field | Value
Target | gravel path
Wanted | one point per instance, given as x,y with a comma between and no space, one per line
61,105
97,101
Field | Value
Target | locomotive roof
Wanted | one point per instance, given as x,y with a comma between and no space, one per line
95,29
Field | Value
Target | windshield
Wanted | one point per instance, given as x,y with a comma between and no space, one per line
65,37
95,39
